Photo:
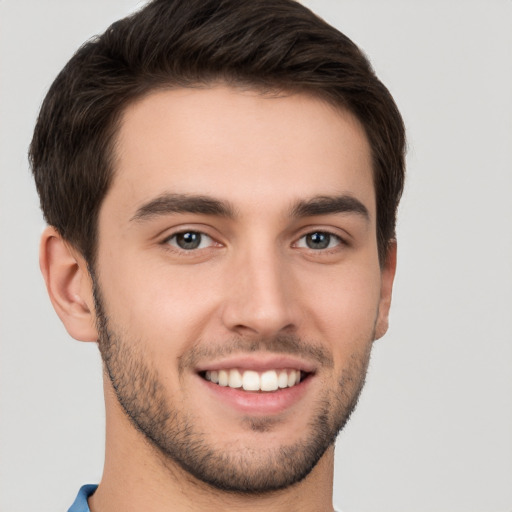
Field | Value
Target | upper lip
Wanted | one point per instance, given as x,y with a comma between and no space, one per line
259,362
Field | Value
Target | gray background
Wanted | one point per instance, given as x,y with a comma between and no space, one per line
433,431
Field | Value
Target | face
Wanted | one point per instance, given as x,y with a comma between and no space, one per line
238,285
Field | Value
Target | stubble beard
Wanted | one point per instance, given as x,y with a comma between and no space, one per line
178,441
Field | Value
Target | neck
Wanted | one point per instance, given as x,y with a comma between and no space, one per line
136,477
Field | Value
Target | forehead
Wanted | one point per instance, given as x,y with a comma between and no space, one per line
241,146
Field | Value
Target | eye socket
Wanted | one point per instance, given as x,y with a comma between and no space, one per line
190,240
319,240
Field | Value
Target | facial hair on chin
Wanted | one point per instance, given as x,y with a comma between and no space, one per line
175,435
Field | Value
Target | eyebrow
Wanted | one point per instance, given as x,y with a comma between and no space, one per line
325,205
183,203
166,204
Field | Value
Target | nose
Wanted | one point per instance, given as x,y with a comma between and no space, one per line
259,296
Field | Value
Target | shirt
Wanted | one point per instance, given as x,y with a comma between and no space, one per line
80,504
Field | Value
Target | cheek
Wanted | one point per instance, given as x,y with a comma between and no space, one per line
346,310
162,306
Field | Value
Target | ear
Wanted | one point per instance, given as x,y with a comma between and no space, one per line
386,289
69,285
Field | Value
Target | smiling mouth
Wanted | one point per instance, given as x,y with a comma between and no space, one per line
250,380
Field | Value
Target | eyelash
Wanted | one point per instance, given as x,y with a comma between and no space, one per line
330,236
339,241
201,234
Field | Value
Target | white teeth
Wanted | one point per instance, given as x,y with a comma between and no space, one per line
269,381
223,378
282,380
250,380
292,378
235,379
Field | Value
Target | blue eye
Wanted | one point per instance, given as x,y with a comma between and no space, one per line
319,240
190,240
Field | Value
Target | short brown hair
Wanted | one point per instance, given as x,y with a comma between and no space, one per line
270,45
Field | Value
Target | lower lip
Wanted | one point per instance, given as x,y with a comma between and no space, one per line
259,403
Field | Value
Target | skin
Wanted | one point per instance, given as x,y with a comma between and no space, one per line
254,280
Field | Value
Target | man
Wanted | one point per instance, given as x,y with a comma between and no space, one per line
220,179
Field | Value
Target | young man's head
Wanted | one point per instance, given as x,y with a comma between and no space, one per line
221,179
271,47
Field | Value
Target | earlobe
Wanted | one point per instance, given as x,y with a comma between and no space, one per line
69,285
387,279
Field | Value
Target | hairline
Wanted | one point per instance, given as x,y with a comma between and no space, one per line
113,129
